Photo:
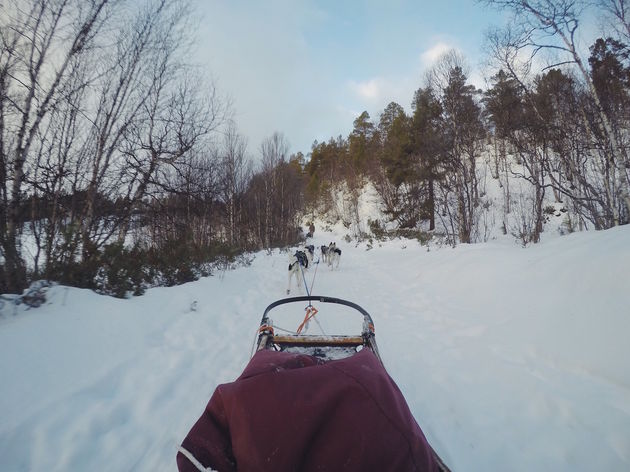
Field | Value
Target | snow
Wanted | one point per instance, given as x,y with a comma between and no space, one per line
510,358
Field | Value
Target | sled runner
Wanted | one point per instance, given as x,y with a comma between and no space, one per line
309,402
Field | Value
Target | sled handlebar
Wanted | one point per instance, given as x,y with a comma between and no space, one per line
319,298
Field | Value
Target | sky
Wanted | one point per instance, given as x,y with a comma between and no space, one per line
307,69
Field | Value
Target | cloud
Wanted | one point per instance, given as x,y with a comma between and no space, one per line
373,95
378,90
370,90
432,54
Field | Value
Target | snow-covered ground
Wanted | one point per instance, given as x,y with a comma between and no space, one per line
510,358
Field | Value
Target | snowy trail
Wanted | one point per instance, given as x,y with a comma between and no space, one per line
510,359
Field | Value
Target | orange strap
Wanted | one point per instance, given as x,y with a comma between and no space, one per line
266,328
311,311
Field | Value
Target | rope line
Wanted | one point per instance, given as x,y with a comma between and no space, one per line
314,275
320,326
304,280
284,330
311,311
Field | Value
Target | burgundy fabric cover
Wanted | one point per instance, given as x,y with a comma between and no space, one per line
292,412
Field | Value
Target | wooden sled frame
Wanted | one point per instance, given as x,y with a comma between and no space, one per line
267,339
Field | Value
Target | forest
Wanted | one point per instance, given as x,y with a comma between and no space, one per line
122,167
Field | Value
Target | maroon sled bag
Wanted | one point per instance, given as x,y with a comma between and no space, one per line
294,412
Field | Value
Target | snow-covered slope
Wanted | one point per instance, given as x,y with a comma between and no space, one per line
510,358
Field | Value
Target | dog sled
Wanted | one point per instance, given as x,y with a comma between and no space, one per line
309,402
322,346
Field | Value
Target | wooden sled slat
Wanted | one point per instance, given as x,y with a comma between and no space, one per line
304,340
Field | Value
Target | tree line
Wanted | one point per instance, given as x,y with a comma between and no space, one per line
561,132
120,165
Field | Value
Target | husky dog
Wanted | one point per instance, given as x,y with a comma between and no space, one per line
324,250
310,253
297,263
333,256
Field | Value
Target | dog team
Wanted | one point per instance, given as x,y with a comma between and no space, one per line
303,259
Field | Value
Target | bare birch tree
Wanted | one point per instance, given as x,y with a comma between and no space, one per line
40,44
551,27
274,150
462,135
235,173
